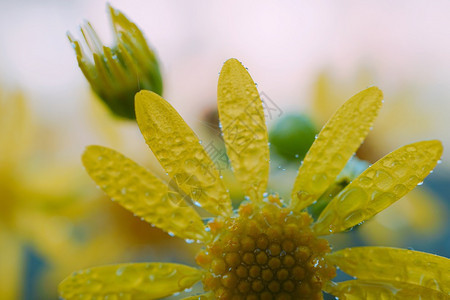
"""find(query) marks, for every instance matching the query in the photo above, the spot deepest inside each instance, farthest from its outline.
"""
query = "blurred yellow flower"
(116, 74)
(35, 204)
(269, 248)
(14, 136)
(49, 210)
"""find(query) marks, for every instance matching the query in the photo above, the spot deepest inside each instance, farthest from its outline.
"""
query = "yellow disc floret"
(265, 251)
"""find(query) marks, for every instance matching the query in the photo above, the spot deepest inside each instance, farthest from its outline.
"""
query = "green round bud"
(292, 136)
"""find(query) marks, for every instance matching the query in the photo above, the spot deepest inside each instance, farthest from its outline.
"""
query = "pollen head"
(265, 251)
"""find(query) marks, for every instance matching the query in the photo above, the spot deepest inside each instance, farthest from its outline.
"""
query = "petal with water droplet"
(336, 143)
(139, 191)
(137, 281)
(379, 186)
(383, 263)
(180, 153)
(244, 129)
(386, 290)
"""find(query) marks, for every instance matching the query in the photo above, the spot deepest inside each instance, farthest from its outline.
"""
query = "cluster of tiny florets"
(265, 251)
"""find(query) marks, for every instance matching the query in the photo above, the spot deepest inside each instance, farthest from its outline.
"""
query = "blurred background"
(306, 57)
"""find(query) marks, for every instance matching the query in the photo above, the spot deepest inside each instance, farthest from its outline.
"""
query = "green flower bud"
(116, 74)
(353, 169)
(292, 136)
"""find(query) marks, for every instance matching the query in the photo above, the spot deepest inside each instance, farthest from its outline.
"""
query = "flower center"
(265, 251)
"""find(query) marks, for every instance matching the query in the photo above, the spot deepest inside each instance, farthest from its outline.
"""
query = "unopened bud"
(117, 73)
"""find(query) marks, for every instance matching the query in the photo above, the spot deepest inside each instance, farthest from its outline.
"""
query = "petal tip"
(87, 150)
(232, 63)
(142, 97)
(88, 153)
(375, 91)
(142, 93)
(437, 144)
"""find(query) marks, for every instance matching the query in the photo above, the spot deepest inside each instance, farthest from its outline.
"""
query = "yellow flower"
(116, 74)
(268, 248)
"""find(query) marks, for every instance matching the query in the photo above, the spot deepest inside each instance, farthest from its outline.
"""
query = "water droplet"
(354, 218)
(383, 180)
(352, 199)
(320, 181)
(120, 271)
(365, 182)
(400, 190)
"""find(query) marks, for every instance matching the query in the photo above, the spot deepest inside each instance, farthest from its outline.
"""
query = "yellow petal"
(379, 186)
(129, 281)
(244, 129)
(179, 151)
(386, 290)
(336, 143)
(383, 263)
(133, 187)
